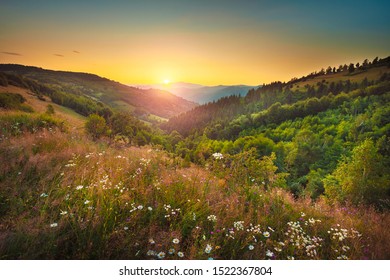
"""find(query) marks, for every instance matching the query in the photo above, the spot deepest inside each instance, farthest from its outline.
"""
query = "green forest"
(316, 132)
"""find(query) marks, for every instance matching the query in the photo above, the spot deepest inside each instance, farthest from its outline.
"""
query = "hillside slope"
(202, 94)
(111, 93)
(73, 119)
(323, 134)
(316, 85)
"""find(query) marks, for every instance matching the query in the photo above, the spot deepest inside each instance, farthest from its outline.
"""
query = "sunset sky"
(206, 42)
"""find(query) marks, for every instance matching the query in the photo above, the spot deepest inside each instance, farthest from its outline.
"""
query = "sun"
(167, 81)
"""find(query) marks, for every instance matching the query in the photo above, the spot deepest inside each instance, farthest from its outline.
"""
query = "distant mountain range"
(116, 95)
(199, 93)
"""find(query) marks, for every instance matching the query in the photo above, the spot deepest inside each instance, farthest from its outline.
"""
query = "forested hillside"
(80, 90)
(317, 84)
(316, 125)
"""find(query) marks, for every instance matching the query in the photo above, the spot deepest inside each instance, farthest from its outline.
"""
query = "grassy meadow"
(63, 196)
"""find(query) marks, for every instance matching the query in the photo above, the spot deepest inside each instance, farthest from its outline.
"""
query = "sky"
(206, 42)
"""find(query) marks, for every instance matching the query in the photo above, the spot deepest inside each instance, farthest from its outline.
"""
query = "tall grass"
(65, 197)
(14, 124)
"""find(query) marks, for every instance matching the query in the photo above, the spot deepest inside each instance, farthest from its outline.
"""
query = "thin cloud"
(76, 51)
(12, 53)
(60, 55)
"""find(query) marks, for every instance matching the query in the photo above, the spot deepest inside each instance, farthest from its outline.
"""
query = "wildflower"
(151, 253)
(161, 255)
(180, 254)
(126, 228)
(44, 195)
(175, 241)
(251, 247)
(150, 208)
(208, 249)
(171, 251)
(266, 234)
(217, 156)
(269, 254)
(212, 218)
(140, 207)
(239, 225)
(151, 241)
(53, 225)
(290, 258)
(63, 213)
(210, 259)
(79, 187)
(87, 202)
(345, 248)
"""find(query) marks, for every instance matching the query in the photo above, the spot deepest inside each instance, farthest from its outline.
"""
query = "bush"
(14, 101)
(50, 110)
(363, 178)
(96, 126)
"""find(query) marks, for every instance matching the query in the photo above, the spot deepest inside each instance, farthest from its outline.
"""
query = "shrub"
(50, 110)
(14, 101)
(360, 179)
(96, 126)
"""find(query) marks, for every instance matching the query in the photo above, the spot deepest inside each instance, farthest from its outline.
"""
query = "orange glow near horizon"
(206, 64)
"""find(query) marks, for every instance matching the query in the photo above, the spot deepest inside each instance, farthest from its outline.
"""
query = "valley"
(92, 169)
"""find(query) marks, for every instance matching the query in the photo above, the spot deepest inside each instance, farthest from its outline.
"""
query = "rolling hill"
(317, 126)
(74, 120)
(201, 94)
(256, 101)
(113, 94)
